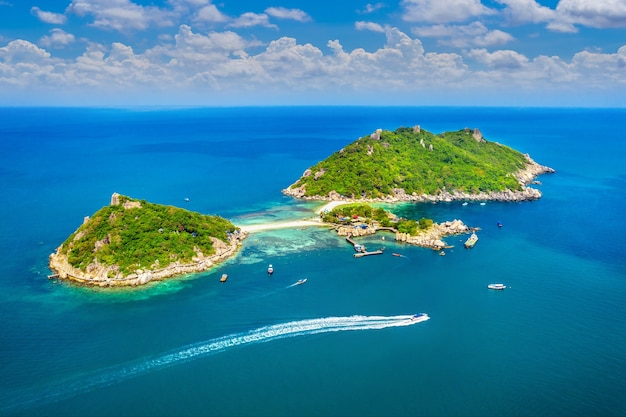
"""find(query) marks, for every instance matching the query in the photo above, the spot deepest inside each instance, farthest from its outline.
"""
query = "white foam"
(263, 334)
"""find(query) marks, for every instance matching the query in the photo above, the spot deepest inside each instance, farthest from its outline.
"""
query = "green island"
(132, 242)
(413, 164)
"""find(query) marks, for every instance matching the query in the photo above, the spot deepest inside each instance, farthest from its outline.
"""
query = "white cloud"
(371, 8)
(210, 13)
(121, 15)
(499, 60)
(250, 19)
(371, 26)
(599, 14)
(526, 11)
(284, 13)
(593, 13)
(474, 34)
(58, 38)
(218, 64)
(48, 17)
(438, 11)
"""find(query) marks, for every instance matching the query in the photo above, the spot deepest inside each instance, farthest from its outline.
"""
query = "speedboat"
(496, 286)
(301, 281)
(270, 270)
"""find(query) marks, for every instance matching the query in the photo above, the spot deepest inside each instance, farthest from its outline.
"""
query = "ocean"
(551, 344)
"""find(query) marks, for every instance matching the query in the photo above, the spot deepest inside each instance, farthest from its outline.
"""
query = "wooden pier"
(361, 254)
(357, 247)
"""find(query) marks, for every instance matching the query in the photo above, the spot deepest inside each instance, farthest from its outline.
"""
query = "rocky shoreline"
(98, 274)
(524, 176)
(430, 238)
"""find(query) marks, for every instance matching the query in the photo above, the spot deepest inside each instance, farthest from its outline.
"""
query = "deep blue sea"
(552, 344)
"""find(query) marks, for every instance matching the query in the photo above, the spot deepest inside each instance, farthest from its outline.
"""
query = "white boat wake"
(117, 374)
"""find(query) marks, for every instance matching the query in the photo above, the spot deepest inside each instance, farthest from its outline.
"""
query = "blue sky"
(297, 52)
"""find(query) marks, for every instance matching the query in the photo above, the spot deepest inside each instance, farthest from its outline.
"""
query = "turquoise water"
(552, 344)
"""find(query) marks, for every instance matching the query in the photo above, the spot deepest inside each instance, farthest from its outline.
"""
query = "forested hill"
(413, 161)
(132, 236)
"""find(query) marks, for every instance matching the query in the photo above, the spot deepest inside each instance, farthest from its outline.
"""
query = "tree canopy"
(416, 161)
(147, 237)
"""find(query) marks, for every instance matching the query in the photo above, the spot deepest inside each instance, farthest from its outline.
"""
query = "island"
(413, 164)
(358, 219)
(132, 242)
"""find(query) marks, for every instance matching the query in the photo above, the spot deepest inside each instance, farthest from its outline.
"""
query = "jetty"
(361, 254)
(357, 247)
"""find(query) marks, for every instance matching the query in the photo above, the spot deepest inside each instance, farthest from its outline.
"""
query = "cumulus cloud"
(58, 38)
(371, 26)
(284, 13)
(121, 15)
(437, 11)
(599, 14)
(593, 13)
(526, 11)
(223, 62)
(499, 60)
(48, 17)
(250, 19)
(210, 13)
(474, 34)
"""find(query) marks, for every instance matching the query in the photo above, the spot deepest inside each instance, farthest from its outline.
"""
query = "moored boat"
(496, 286)
(471, 241)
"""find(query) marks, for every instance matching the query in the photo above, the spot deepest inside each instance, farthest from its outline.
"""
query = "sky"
(295, 52)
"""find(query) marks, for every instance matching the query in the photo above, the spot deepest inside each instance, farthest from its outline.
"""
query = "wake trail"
(263, 334)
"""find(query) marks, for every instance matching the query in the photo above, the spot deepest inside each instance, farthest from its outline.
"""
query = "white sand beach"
(250, 228)
(280, 225)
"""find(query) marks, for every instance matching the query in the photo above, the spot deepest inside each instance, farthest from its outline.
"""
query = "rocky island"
(357, 219)
(412, 164)
(133, 242)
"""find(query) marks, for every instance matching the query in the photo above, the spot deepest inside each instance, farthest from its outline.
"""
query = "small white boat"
(301, 281)
(270, 269)
(224, 278)
(496, 286)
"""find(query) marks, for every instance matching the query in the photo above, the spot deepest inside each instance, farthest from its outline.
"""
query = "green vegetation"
(372, 168)
(149, 237)
(364, 213)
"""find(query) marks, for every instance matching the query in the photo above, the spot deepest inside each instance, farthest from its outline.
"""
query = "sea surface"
(552, 344)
